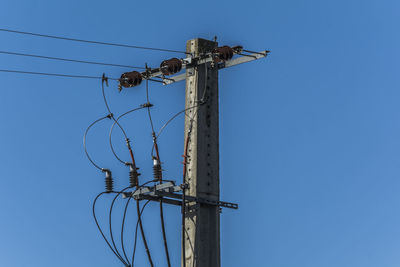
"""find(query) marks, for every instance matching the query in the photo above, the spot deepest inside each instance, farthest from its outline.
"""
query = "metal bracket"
(221, 65)
(167, 192)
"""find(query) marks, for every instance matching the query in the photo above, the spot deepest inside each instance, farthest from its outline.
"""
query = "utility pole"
(202, 222)
(199, 200)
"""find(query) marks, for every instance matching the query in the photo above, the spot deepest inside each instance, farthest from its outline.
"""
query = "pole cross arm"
(244, 58)
(167, 193)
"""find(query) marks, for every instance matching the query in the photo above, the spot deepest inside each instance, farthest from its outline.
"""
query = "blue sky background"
(309, 137)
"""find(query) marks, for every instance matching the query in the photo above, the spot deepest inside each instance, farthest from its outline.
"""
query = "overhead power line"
(92, 42)
(69, 60)
(56, 74)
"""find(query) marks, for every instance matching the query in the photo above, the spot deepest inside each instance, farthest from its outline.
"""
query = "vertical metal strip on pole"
(202, 222)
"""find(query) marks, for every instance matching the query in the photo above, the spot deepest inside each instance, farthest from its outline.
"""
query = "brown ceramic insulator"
(224, 52)
(131, 79)
(171, 66)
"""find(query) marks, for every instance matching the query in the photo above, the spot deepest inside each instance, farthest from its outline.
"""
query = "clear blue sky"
(309, 137)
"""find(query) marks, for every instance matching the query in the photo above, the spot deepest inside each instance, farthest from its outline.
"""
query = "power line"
(92, 42)
(56, 74)
(69, 60)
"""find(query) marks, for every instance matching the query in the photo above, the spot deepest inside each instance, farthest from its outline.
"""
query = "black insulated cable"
(104, 80)
(110, 225)
(56, 74)
(84, 140)
(123, 224)
(91, 42)
(122, 229)
(170, 120)
(143, 234)
(111, 131)
(69, 60)
(101, 231)
(136, 230)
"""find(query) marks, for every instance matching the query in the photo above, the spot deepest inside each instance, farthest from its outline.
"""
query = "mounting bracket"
(167, 192)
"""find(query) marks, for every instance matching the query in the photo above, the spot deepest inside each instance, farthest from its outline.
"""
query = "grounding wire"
(91, 42)
(98, 226)
(84, 141)
(69, 60)
(111, 130)
(55, 74)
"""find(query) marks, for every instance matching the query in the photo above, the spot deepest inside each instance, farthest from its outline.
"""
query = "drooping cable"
(101, 231)
(84, 140)
(55, 74)
(136, 229)
(104, 80)
(69, 60)
(133, 165)
(123, 222)
(123, 226)
(143, 235)
(111, 131)
(108, 107)
(170, 120)
(90, 42)
(110, 226)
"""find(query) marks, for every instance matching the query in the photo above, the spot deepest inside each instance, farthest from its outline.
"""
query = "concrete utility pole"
(202, 222)
(200, 200)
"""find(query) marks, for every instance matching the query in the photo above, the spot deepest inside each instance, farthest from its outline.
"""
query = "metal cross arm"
(167, 192)
(244, 58)
(222, 56)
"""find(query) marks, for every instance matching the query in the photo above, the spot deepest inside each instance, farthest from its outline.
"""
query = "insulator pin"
(109, 181)
(224, 52)
(171, 66)
(130, 79)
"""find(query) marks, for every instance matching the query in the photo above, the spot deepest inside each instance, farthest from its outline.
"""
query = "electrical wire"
(137, 224)
(170, 120)
(119, 125)
(111, 131)
(69, 60)
(91, 42)
(134, 167)
(108, 108)
(160, 178)
(110, 225)
(84, 141)
(148, 107)
(123, 222)
(183, 227)
(143, 235)
(55, 74)
(122, 228)
(98, 226)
